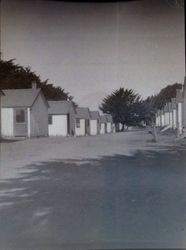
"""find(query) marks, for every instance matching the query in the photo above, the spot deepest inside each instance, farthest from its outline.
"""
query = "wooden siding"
(103, 128)
(39, 117)
(174, 118)
(81, 130)
(93, 127)
(179, 118)
(7, 122)
(59, 126)
(109, 127)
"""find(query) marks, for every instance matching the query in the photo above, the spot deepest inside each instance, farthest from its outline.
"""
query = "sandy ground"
(105, 192)
(15, 155)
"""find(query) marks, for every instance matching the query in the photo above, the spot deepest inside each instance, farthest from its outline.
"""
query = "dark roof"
(103, 119)
(82, 113)
(19, 97)
(109, 118)
(94, 115)
(60, 107)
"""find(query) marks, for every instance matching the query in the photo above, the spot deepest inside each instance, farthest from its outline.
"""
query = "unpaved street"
(103, 192)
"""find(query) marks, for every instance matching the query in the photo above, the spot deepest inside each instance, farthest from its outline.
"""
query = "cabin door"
(20, 122)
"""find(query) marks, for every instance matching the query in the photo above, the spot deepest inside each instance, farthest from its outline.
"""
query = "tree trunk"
(123, 127)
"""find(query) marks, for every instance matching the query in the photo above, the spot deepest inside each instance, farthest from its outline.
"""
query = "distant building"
(184, 108)
(158, 118)
(174, 113)
(94, 122)
(1, 94)
(82, 122)
(179, 101)
(24, 113)
(162, 118)
(61, 118)
(109, 123)
(167, 114)
(103, 124)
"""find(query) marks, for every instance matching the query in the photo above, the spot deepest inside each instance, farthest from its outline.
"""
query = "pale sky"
(90, 49)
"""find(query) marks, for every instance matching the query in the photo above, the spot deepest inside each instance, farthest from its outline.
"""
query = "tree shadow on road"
(113, 199)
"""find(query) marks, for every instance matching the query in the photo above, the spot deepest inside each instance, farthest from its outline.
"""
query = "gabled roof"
(94, 115)
(82, 113)
(109, 118)
(103, 119)
(60, 107)
(19, 97)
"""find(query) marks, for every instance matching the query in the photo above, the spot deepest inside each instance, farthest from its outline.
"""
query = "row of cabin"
(65, 119)
(173, 114)
(27, 113)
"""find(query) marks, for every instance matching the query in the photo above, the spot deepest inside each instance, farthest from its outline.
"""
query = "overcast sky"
(91, 49)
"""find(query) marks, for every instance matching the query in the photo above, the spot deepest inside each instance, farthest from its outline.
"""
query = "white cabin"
(61, 118)
(174, 113)
(82, 121)
(103, 124)
(179, 101)
(162, 118)
(184, 108)
(24, 113)
(94, 122)
(1, 94)
(109, 123)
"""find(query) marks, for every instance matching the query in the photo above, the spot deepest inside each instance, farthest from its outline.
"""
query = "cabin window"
(50, 119)
(20, 116)
(77, 123)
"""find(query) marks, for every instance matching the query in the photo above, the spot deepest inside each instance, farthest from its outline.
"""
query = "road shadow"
(108, 202)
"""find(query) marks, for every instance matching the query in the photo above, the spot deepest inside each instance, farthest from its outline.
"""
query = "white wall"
(59, 126)
(171, 118)
(157, 121)
(179, 118)
(120, 126)
(162, 120)
(80, 131)
(109, 127)
(39, 117)
(7, 122)
(93, 127)
(28, 123)
(174, 118)
(103, 128)
(167, 118)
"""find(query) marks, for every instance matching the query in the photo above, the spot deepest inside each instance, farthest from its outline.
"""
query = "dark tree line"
(14, 76)
(129, 109)
(165, 95)
(125, 106)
